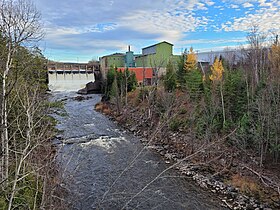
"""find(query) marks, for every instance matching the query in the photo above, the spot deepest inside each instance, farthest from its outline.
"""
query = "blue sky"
(81, 30)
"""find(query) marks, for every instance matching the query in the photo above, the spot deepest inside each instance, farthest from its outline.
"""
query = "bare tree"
(158, 66)
(31, 136)
(230, 57)
(19, 24)
(256, 53)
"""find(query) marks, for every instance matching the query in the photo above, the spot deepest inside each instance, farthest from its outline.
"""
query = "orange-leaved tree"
(217, 70)
(191, 61)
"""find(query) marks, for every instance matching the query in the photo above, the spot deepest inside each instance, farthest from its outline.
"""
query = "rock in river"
(91, 87)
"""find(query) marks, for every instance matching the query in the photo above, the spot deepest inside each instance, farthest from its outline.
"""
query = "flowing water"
(98, 166)
(69, 82)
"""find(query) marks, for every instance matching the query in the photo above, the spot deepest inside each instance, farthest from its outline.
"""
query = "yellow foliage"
(217, 70)
(191, 61)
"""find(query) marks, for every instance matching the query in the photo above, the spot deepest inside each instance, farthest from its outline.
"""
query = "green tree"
(109, 81)
(115, 95)
(131, 81)
(181, 72)
(193, 76)
(170, 78)
(235, 95)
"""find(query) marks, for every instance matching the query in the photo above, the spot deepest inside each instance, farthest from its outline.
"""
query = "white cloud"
(207, 41)
(62, 31)
(169, 19)
(219, 48)
(234, 6)
(201, 6)
(247, 5)
(170, 23)
(264, 3)
(241, 1)
(266, 17)
(209, 2)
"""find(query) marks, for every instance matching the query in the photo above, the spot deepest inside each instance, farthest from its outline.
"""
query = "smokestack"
(128, 48)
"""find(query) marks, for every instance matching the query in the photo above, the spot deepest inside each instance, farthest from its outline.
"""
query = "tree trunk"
(4, 121)
(223, 105)
(26, 151)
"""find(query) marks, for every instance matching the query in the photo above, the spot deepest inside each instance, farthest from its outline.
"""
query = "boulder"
(97, 76)
(91, 87)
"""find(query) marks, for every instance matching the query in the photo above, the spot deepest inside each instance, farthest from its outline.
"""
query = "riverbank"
(231, 174)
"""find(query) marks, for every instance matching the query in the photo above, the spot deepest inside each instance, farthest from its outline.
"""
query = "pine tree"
(181, 72)
(131, 80)
(170, 78)
(109, 81)
(193, 75)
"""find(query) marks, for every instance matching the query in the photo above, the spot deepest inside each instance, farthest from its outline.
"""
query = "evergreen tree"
(193, 75)
(170, 78)
(131, 80)
(181, 72)
(194, 83)
(109, 80)
(235, 95)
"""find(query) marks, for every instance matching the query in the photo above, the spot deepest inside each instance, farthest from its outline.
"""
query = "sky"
(82, 30)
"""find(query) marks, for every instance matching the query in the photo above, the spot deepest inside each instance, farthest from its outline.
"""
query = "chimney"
(128, 48)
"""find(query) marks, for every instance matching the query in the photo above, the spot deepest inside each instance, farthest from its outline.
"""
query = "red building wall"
(139, 72)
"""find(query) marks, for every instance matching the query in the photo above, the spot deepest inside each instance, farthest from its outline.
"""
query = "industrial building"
(155, 56)
(115, 60)
(153, 59)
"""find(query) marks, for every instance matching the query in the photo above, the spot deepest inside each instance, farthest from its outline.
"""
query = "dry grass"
(246, 185)
(103, 107)
(98, 106)
(133, 98)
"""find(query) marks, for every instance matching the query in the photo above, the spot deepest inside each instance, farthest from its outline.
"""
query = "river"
(98, 165)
